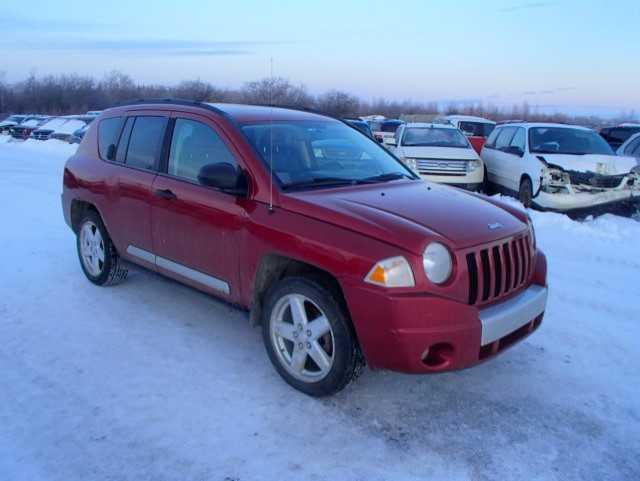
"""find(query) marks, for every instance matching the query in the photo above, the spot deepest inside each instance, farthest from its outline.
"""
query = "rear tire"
(525, 195)
(99, 259)
(308, 337)
(486, 185)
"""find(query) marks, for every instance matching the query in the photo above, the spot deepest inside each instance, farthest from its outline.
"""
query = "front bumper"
(584, 201)
(471, 181)
(428, 334)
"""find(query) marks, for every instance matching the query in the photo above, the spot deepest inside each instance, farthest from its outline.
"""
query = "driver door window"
(193, 146)
(519, 139)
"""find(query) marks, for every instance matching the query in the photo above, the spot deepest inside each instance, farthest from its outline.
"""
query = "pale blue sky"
(580, 56)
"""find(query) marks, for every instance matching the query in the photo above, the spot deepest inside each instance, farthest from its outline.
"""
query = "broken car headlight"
(554, 179)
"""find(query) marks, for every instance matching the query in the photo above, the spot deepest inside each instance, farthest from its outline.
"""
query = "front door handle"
(165, 194)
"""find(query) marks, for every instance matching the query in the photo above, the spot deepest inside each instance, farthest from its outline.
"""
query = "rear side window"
(193, 146)
(519, 139)
(491, 141)
(108, 133)
(145, 142)
(504, 137)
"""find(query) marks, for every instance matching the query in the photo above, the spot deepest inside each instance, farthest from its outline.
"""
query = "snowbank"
(153, 380)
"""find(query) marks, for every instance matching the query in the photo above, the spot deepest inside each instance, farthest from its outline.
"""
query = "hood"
(453, 153)
(596, 163)
(408, 214)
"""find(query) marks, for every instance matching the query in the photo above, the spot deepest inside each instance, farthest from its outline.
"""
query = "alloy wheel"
(302, 338)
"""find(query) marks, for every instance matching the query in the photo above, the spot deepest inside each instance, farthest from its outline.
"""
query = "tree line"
(73, 94)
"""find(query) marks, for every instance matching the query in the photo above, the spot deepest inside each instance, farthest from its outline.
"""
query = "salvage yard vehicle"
(439, 153)
(631, 147)
(339, 252)
(618, 135)
(11, 121)
(24, 129)
(359, 124)
(384, 130)
(476, 128)
(559, 167)
(61, 128)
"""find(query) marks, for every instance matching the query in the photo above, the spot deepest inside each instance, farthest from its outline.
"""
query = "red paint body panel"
(343, 231)
(477, 142)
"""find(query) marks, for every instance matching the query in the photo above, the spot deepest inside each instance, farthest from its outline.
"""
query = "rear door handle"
(165, 194)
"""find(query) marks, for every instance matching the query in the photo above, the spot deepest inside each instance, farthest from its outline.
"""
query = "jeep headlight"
(473, 165)
(392, 272)
(437, 262)
(411, 163)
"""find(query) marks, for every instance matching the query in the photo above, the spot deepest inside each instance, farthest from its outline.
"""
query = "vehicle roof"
(240, 113)
(470, 118)
(430, 125)
(543, 124)
(629, 124)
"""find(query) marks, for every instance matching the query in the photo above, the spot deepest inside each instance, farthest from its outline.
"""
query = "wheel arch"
(274, 267)
(78, 209)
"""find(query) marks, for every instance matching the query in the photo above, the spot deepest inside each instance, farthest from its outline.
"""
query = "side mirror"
(391, 141)
(111, 152)
(512, 149)
(225, 177)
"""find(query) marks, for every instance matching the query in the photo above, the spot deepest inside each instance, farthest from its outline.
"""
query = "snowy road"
(151, 380)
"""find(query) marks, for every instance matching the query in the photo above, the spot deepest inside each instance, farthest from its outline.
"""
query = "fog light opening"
(438, 356)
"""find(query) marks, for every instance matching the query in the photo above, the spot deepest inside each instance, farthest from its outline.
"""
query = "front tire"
(525, 195)
(308, 337)
(98, 256)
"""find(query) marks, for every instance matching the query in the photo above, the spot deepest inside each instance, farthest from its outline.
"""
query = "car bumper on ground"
(427, 334)
(586, 201)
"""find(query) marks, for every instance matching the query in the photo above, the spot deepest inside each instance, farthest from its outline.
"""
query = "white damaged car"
(558, 167)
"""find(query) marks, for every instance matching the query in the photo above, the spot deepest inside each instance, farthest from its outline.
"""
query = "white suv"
(558, 167)
(439, 153)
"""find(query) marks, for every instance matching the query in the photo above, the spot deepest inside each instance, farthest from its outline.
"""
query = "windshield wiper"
(320, 182)
(389, 176)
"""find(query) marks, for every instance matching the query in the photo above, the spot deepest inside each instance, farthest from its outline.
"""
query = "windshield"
(390, 126)
(311, 153)
(433, 137)
(476, 129)
(563, 140)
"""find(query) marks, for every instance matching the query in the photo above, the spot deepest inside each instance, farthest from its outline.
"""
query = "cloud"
(548, 91)
(527, 6)
(29, 25)
(145, 46)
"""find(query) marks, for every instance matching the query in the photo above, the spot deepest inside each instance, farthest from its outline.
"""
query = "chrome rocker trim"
(179, 269)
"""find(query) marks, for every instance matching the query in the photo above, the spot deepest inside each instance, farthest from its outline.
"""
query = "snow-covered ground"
(151, 380)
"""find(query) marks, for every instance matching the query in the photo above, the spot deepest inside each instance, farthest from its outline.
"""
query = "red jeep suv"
(340, 253)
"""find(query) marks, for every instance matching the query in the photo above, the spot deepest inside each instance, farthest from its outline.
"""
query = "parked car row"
(68, 128)
(555, 167)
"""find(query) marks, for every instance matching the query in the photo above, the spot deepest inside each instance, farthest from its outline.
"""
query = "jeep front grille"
(499, 269)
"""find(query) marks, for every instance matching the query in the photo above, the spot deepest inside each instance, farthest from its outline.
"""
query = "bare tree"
(338, 103)
(276, 91)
